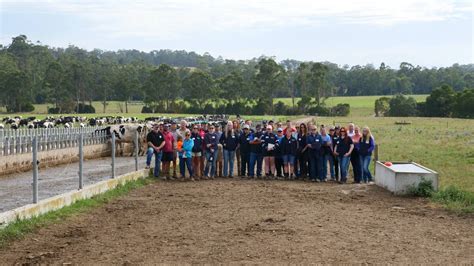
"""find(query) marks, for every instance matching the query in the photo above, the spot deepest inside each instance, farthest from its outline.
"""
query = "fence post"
(376, 156)
(35, 170)
(136, 150)
(113, 154)
(81, 160)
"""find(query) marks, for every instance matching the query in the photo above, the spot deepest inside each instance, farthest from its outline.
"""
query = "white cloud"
(168, 19)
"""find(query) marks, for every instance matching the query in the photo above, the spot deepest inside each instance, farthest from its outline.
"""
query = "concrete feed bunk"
(399, 177)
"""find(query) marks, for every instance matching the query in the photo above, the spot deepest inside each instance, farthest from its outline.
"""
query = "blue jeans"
(229, 157)
(344, 165)
(330, 158)
(316, 165)
(255, 158)
(365, 162)
(149, 155)
(183, 163)
(210, 165)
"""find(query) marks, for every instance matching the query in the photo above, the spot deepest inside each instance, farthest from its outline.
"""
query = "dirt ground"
(248, 221)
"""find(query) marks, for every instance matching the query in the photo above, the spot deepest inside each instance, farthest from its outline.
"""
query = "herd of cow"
(126, 132)
(80, 121)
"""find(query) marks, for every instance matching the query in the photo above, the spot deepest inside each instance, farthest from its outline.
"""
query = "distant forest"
(70, 78)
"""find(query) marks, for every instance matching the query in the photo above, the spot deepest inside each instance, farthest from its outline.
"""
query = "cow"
(126, 134)
(2, 126)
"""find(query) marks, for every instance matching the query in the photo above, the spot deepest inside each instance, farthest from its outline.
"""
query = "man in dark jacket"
(197, 152)
(314, 144)
(288, 149)
(244, 141)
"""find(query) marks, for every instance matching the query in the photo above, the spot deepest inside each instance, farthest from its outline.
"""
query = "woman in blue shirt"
(343, 150)
(366, 146)
(186, 156)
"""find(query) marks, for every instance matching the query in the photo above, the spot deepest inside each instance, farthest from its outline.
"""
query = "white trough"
(399, 177)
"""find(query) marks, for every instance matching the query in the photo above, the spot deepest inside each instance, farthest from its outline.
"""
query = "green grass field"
(443, 144)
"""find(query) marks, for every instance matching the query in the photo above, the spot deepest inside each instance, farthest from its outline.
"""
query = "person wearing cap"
(268, 144)
(155, 143)
(210, 142)
(168, 151)
(256, 152)
(314, 144)
(288, 149)
(197, 152)
(302, 153)
(203, 131)
(278, 155)
(229, 141)
(185, 155)
(343, 150)
(244, 143)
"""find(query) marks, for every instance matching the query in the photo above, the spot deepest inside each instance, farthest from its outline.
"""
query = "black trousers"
(303, 162)
(336, 166)
(244, 163)
(356, 167)
(279, 166)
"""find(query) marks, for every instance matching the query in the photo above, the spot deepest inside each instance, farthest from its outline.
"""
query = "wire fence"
(20, 141)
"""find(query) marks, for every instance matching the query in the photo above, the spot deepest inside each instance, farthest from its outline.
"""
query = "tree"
(269, 80)
(319, 87)
(441, 102)
(233, 87)
(198, 88)
(464, 106)
(382, 105)
(401, 105)
(162, 86)
(54, 87)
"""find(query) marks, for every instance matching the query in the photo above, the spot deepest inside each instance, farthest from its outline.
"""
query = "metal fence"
(21, 140)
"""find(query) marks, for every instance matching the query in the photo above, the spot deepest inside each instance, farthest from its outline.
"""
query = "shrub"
(342, 109)
(401, 105)
(319, 110)
(455, 199)
(424, 189)
(86, 109)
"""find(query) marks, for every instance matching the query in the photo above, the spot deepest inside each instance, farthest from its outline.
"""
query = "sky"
(431, 33)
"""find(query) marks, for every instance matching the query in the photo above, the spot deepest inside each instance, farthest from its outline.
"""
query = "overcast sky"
(422, 32)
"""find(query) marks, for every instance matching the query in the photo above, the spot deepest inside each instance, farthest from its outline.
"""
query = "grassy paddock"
(21, 227)
(360, 105)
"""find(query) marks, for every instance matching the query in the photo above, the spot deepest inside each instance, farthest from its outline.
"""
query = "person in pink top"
(168, 151)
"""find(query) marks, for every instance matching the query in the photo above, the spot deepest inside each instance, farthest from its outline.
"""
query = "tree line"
(442, 102)
(177, 81)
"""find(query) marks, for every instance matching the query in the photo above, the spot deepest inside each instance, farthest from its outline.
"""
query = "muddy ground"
(247, 221)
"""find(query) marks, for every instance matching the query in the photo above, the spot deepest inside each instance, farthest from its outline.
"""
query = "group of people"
(268, 151)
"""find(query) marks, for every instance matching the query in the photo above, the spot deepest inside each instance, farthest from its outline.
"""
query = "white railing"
(20, 141)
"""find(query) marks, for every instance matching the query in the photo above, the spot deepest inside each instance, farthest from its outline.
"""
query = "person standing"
(197, 152)
(229, 141)
(366, 147)
(278, 156)
(155, 142)
(210, 141)
(268, 145)
(237, 131)
(355, 158)
(288, 149)
(314, 144)
(220, 152)
(168, 151)
(174, 162)
(343, 150)
(303, 152)
(334, 163)
(256, 152)
(244, 143)
(327, 154)
(185, 155)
